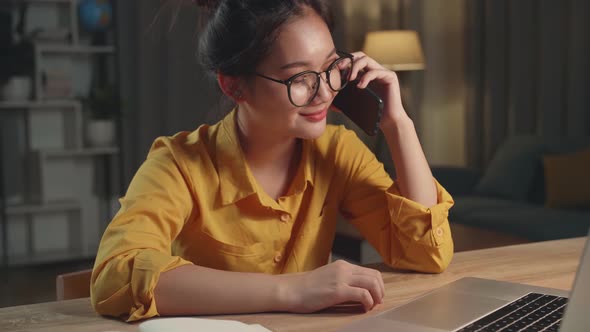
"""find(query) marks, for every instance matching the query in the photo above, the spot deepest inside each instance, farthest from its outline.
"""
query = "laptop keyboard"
(532, 312)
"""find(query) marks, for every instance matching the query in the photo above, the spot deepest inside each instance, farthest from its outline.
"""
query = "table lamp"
(398, 50)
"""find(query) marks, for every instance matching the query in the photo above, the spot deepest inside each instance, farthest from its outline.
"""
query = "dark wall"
(528, 71)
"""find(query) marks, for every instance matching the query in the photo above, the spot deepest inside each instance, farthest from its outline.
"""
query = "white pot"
(100, 133)
(18, 88)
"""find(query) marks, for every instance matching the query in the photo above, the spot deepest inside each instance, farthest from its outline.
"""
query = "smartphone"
(362, 106)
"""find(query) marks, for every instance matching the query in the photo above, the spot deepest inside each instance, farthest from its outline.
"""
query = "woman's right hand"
(332, 284)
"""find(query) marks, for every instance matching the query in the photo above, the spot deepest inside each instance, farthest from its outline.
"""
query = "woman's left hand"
(393, 110)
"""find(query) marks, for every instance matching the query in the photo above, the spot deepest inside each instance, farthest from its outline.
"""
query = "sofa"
(527, 191)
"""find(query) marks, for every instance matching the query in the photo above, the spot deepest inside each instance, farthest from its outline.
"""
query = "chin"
(312, 131)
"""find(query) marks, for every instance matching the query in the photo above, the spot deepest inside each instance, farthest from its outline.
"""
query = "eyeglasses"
(303, 87)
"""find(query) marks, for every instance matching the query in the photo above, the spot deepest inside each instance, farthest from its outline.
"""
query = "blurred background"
(497, 89)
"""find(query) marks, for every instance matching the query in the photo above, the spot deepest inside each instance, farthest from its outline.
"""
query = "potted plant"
(102, 105)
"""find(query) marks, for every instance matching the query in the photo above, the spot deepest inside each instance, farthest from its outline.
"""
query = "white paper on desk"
(189, 324)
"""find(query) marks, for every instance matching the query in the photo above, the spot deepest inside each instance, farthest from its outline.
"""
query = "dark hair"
(240, 33)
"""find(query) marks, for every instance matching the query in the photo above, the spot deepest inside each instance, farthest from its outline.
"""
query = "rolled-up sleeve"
(406, 234)
(423, 233)
(136, 246)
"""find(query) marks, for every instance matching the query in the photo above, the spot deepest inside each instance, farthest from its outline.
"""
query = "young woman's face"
(304, 43)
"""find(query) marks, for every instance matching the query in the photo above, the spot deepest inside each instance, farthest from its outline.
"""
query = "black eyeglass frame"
(289, 81)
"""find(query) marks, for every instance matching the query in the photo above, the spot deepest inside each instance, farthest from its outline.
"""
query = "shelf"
(84, 152)
(58, 201)
(73, 49)
(31, 104)
(21, 209)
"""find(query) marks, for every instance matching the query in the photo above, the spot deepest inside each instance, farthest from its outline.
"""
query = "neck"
(262, 148)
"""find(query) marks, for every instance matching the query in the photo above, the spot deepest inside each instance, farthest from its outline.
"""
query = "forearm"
(414, 177)
(197, 290)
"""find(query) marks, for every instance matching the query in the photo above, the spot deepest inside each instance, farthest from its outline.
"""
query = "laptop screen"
(576, 313)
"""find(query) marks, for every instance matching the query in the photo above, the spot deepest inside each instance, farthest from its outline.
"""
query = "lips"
(316, 116)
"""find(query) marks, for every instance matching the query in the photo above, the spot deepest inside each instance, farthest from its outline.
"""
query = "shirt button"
(439, 231)
(278, 257)
(285, 217)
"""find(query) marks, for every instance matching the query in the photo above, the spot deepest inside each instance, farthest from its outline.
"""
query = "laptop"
(474, 304)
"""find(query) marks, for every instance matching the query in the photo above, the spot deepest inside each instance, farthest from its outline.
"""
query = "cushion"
(567, 180)
(511, 172)
(553, 145)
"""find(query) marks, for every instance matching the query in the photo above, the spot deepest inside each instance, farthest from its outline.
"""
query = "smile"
(316, 116)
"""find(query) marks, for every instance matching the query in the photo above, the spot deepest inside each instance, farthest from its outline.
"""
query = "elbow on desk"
(426, 259)
(440, 266)
(109, 300)
(119, 303)
(440, 259)
(111, 296)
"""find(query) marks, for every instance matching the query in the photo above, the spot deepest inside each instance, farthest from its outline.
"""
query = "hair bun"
(207, 4)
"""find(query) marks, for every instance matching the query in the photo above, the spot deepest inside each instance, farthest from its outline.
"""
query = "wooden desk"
(549, 264)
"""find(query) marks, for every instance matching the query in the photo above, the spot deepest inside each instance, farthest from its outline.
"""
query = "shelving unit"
(66, 196)
(71, 114)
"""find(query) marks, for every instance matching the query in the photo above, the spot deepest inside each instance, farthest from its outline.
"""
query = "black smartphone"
(362, 106)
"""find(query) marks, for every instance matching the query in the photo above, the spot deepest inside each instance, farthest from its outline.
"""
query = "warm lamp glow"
(395, 49)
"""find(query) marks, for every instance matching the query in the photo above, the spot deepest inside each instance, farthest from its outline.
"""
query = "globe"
(95, 15)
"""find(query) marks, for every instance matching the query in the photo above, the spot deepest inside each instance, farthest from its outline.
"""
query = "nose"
(324, 93)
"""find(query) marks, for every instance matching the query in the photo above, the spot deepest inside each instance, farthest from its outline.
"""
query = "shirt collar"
(235, 179)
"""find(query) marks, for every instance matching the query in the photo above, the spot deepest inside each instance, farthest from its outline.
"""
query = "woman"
(240, 216)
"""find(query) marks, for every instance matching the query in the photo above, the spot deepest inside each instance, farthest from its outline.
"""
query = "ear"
(231, 87)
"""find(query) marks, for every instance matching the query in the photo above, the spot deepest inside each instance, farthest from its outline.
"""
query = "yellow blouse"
(194, 201)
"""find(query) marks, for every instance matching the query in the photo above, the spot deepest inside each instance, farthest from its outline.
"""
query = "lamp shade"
(395, 49)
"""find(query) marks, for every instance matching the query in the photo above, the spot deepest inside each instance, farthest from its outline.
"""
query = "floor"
(33, 284)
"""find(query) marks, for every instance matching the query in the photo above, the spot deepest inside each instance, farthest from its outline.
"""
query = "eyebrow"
(304, 63)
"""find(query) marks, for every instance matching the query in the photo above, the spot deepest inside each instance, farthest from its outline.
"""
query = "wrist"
(396, 124)
(285, 294)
